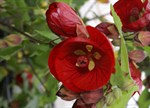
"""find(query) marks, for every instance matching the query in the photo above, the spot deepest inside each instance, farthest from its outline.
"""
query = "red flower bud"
(62, 19)
(109, 29)
(136, 75)
(143, 37)
(137, 55)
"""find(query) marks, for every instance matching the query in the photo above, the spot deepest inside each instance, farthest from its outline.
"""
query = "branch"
(90, 8)
(27, 35)
(34, 72)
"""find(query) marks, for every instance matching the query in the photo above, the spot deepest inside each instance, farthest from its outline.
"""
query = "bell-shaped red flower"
(83, 64)
(134, 14)
(62, 19)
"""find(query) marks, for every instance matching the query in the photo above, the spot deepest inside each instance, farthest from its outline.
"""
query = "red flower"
(136, 75)
(83, 64)
(132, 15)
(62, 19)
(19, 78)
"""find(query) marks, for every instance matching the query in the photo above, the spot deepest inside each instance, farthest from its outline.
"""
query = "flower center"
(82, 61)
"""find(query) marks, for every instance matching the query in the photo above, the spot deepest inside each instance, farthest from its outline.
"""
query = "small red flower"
(62, 19)
(136, 75)
(133, 14)
(83, 64)
(19, 78)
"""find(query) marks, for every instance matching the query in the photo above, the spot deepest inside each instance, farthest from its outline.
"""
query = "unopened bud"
(13, 40)
(143, 38)
(3, 44)
(110, 98)
(137, 55)
(109, 29)
(117, 93)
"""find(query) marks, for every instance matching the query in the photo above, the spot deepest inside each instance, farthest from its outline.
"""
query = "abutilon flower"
(63, 20)
(134, 14)
(83, 64)
(136, 75)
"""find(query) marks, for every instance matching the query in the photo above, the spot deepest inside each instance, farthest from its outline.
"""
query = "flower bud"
(117, 93)
(108, 29)
(137, 55)
(62, 19)
(13, 40)
(110, 98)
(3, 44)
(92, 96)
(101, 103)
(66, 94)
(143, 38)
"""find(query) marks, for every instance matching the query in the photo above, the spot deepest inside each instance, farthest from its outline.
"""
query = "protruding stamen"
(89, 48)
(97, 56)
(79, 52)
(91, 65)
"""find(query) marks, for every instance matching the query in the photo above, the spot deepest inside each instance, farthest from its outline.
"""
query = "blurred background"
(25, 43)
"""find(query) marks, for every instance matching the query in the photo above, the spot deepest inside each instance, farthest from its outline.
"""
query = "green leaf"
(123, 100)
(144, 100)
(147, 49)
(78, 3)
(118, 78)
(66, 1)
(7, 53)
(3, 73)
(124, 53)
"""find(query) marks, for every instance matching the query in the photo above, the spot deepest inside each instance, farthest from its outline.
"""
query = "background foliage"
(25, 20)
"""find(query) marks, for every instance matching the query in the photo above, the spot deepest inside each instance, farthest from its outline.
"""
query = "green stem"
(27, 35)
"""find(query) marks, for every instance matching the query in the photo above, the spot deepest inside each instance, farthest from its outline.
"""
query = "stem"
(99, 17)
(27, 35)
(34, 72)
(90, 8)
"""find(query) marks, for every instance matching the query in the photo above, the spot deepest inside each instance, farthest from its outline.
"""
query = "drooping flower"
(63, 20)
(134, 14)
(136, 75)
(83, 64)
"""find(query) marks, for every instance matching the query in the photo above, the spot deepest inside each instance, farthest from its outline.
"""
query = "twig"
(34, 72)
(27, 35)
(90, 8)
